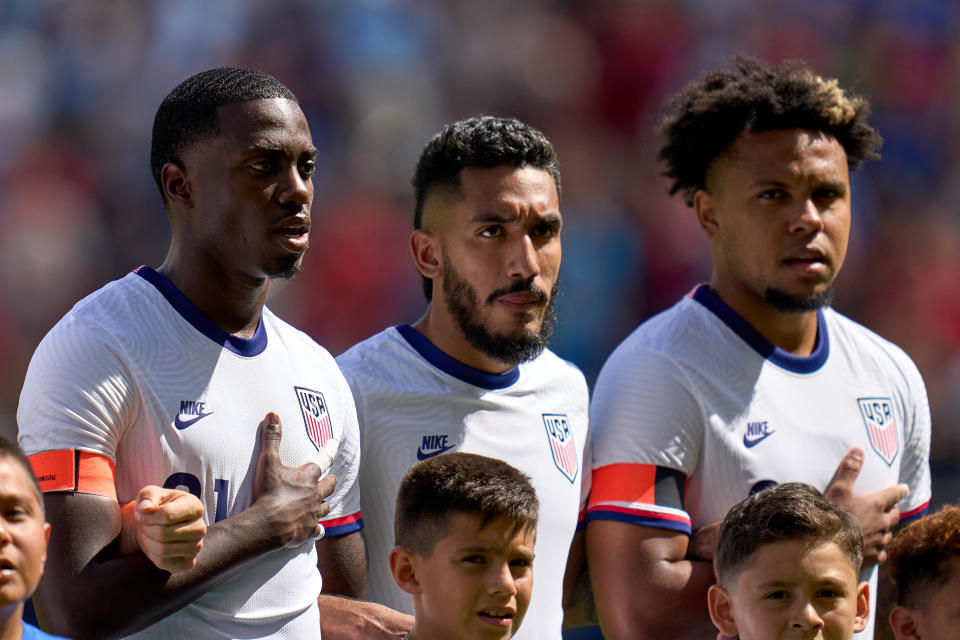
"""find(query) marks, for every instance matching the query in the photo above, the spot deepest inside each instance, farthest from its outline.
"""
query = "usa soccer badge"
(562, 448)
(878, 418)
(316, 416)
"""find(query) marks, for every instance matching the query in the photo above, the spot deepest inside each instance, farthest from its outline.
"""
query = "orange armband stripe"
(73, 470)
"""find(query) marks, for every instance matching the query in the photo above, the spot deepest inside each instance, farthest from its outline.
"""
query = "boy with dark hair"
(787, 565)
(925, 564)
(465, 529)
(24, 533)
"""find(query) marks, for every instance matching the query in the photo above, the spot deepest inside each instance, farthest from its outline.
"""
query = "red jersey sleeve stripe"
(913, 514)
(343, 525)
(72, 470)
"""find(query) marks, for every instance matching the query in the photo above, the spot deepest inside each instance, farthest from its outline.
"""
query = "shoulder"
(381, 356)
(30, 632)
(858, 343)
(294, 339)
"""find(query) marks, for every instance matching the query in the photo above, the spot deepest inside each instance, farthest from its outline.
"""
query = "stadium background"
(80, 82)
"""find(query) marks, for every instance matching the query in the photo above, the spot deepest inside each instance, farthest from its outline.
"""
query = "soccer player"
(752, 379)
(473, 374)
(162, 378)
(925, 565)
(465, 530)
(788, 564)
(24, 534)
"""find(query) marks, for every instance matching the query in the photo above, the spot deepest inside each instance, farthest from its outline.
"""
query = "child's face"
(792, 589)
(476, 584)
(939, 619)
(23, 534)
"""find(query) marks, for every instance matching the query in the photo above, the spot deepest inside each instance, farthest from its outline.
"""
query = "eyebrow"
(837, 185)
(504, 218)
(269, 148)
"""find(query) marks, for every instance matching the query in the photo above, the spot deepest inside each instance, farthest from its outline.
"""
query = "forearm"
(667, 602)
(93, 592)
(344, 618)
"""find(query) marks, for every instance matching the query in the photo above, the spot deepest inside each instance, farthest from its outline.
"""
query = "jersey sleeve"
(647, 434)
(345, 516)
(78, 393)
(915, 464)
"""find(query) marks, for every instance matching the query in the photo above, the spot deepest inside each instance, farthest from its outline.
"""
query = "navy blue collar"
(241, 346)
(798, 364)
(432, 354)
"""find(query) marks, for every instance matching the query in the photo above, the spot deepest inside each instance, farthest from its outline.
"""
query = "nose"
(806, 617)
(808, 219)
(522, 260)
(500, 581)
(294, 188)
(5, 537)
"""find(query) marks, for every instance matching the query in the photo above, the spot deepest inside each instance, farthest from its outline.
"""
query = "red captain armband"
(72, 470)
(640, 494)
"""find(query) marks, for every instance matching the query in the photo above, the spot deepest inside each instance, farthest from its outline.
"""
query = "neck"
(795, 333)
(441, 329)
(231, 300)
(11, 617)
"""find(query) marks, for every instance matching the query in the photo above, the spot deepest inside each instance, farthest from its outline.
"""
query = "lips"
(497, 616)
(293, 232)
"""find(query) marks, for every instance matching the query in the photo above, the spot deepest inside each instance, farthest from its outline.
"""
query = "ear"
(863, 607)
(705, 206)
(46, 541)
(403, 567)
(721, 610)
(427, 253)
(176, 184)
(904, 624)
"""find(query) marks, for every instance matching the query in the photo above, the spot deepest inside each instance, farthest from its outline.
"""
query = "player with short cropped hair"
(465, 530)
(752, 379)
(787, 565)
(181, 377)
(473, 373)
(925, 565)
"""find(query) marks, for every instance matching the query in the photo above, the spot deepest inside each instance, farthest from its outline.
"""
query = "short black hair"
(483, 141)
(189, 113)
(12, 451)
(435, 489)
(706, 116)
(785, 512)
(921, 554)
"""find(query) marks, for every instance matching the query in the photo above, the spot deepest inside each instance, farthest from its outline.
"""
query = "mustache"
(521, 287)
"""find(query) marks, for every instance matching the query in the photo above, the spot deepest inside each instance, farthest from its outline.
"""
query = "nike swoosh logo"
(749, 443)
(183, 424)
(421, 455)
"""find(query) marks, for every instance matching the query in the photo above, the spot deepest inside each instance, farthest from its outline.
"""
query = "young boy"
(787, 564)
(925, 565)
(465, 527)
(23, 542)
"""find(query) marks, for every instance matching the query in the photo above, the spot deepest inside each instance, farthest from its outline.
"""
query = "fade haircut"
(785, 512)
(434, 490)
(188, 114)
(920, 556)
(706, 116)
(11, 451)
(485, 142)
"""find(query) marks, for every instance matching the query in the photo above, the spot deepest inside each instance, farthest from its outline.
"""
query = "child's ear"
(721, 612)
(903, 623)
(863, 607)
(403, 567)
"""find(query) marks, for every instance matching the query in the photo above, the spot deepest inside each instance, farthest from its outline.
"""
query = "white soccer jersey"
(695, 393)
(414, 401)
(136, 373)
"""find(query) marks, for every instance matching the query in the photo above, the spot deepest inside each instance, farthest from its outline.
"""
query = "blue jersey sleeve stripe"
(343, 529)
(643, 521)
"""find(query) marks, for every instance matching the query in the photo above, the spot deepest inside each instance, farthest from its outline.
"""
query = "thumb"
(847, 472)
(148, 500)
(270, 433)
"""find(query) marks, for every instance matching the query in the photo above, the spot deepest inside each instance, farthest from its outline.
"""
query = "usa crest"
(879, 419)
(562, 447)
(316, 417)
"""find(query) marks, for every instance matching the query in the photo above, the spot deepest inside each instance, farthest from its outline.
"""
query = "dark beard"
(461, 299)
(285, 274)
(785, 303)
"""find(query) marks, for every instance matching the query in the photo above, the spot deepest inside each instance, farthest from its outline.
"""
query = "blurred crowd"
(80, 83)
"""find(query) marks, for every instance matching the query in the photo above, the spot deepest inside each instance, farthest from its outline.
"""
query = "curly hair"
(484, 141)
(189, 113)
(705, 117)
(920, 556)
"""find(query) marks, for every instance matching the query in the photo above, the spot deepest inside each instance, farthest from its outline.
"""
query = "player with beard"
(180, 376)
(473, 373)
(751, 380)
